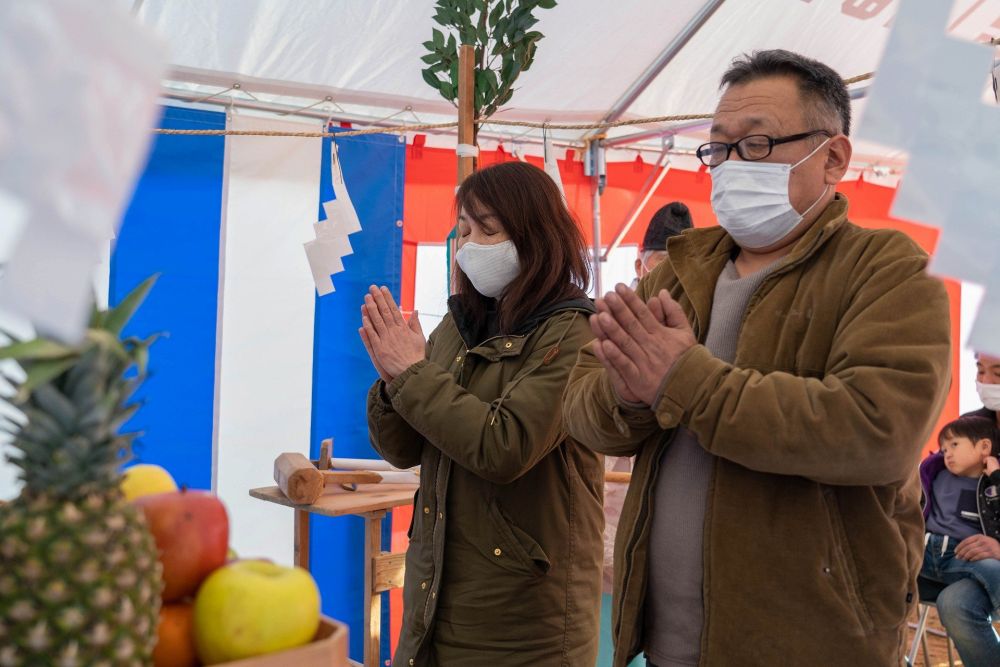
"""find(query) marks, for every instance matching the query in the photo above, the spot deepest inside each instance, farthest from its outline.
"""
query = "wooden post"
(301, 551)
(325, 454)
(373, 597)
(302, 538)
(466, 134)
(466, 107)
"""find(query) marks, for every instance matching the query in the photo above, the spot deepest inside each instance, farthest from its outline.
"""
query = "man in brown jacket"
(776, 378)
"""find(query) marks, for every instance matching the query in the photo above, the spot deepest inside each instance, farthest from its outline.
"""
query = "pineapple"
(79, 578)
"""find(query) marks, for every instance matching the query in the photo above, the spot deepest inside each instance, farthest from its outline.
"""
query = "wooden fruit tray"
(327, 649)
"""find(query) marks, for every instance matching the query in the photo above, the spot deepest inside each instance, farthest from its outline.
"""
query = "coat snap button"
(427, 510)
(497, 552)
(423, 585)
(411, 661)
(508, 345)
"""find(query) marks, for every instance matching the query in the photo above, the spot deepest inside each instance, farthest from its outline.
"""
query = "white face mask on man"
(751, 200)
(491, 268)
(990, 395)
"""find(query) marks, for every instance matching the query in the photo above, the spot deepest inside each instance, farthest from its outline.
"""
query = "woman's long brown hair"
(550, 248)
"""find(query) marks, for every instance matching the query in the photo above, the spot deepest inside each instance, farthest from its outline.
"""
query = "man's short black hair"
(670, 220)
(975, 429)
(820, 86)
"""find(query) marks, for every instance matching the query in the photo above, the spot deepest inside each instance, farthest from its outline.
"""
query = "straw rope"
(306, 135)
(402, 129)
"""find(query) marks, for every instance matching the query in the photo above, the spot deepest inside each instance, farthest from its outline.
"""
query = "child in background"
(961, 485)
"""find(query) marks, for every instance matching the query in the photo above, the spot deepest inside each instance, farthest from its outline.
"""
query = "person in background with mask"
(988, 387)
(504, 562)
(964, 607)
(776, 378)
(669, 220)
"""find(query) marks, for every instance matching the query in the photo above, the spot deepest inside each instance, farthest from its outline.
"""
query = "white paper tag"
(984, 336)
(552, 166)
(328, 234)
(341, 216)
(74, 179)
(340, 212)
(927, 95)
(323, 262)
(49, 278)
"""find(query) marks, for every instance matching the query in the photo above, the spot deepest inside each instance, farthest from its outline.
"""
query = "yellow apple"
(253, 607)
(146, 479)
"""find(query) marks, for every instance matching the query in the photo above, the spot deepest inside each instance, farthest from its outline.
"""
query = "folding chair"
(928, 592)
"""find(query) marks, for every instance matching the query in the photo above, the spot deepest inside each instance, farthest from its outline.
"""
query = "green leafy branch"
(505, 44)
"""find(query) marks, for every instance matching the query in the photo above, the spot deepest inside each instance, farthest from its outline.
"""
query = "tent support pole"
(595, 168)
(642, 197)
(620, 107)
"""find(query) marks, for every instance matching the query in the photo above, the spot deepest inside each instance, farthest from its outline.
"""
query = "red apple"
(191, 530)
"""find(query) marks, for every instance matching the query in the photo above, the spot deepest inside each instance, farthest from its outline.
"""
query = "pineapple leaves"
(107, 342)
(74, 400)
(40, 426)
(124, 416)
(40, 373)
(116, 319)
(32, 350)
(60, 408)
(142, 359)
(139, 350)
(97, 318)
(9, 335)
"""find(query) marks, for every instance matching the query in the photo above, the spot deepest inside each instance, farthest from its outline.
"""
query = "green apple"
(252, 607)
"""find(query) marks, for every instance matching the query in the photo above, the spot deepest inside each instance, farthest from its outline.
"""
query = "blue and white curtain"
(254, 363)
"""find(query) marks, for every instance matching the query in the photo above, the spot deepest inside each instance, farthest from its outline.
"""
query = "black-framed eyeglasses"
(750, 148)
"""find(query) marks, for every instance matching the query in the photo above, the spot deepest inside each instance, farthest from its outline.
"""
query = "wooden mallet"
(303, 481)
(300, 480)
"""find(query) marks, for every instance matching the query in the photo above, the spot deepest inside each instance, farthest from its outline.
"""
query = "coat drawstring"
(549, 357)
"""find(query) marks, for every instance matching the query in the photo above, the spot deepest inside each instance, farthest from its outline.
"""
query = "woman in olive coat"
(504, 562)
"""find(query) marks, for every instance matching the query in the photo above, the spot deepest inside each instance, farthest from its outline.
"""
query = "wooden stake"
(302, 539)
(466, 133)
(325, 453)
(466, 107)
(373, 598)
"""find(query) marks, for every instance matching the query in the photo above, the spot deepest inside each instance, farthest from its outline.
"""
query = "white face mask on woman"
(491, 268)
(751, 201)
(990, 395)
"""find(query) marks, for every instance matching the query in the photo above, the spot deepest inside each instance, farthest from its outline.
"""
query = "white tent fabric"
(369, 52)
(366, 55)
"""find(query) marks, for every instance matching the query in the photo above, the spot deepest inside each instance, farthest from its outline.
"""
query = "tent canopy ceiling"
(365, 55)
